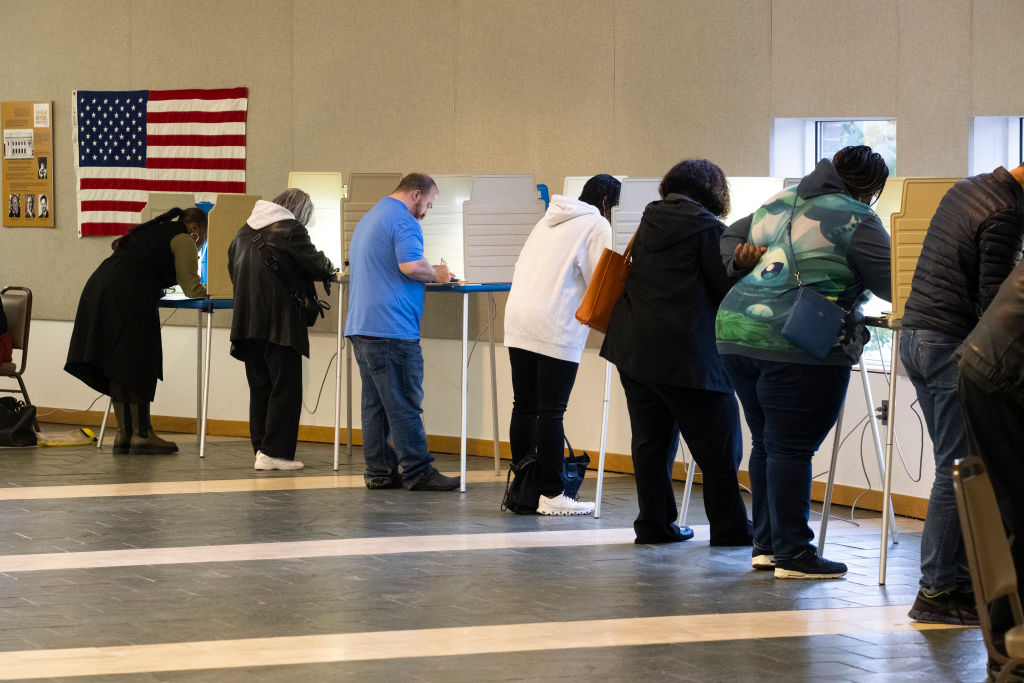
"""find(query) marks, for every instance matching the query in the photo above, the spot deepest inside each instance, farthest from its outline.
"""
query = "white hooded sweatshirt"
(265, 213)
(550, 278)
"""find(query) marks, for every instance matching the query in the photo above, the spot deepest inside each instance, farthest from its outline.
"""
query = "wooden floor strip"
(448, 642)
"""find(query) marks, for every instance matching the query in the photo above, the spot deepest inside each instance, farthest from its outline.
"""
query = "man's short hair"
(416, 181)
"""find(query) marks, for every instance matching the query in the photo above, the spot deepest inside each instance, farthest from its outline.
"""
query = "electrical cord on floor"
(323, 382)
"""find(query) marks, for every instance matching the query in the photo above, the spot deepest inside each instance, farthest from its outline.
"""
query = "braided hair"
(862, 170)
(701, 181)
(189, 215)
(602, 191)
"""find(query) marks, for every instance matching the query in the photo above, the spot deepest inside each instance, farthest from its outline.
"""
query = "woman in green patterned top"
(824, 230)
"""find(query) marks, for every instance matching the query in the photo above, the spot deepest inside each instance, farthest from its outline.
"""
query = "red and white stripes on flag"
(130, 143)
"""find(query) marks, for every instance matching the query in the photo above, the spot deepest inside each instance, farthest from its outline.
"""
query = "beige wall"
(553, 87)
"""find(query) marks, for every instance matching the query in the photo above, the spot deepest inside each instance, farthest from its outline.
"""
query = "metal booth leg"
(206, 383)
(103, 425)
(827, 504)
(890, 435)
(691, 470)
(465, 388)
(337, 390)
(494, 384)
(604, 438)
(879, 451)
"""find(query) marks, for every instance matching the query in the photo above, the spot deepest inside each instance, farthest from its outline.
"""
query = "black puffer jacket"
(973, 242)
(993, 354)
(264, 308)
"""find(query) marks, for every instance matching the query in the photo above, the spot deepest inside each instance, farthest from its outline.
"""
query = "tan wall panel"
(998, 61)
(933, 122)
(70, 46)
(692, 80)
(834, 57)
(373, 86)
(534, 88)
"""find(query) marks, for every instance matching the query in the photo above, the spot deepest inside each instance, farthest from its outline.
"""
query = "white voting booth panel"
(364, 191)
(497, 219)
(747, 194)
(890, 201)
(162, 202)
(572, 186)
(636, 194)
(442, 226)
(325, 189)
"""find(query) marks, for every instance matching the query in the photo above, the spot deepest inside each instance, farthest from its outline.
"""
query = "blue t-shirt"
(382, 302)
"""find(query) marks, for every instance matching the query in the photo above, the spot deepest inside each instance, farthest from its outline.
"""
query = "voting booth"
(229, 213)
(364, 191)
(572, 186)
(325, 189)
(497, 219)
(747, 194)
(636, 194)
(442, 226)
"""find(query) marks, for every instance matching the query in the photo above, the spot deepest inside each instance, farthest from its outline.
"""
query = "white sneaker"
(763, 562)
(560, 505)
(265, 462)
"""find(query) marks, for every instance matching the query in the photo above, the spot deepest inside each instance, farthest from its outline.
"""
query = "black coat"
(662, 329)
(993, 353)
(265, 309)
(973, 242)
(117, 326)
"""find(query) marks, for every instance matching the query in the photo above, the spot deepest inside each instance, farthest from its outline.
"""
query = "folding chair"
(17, 303)
(989, 560)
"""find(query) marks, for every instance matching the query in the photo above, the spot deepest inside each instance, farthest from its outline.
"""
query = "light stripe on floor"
(447, 642)
(378, 545)
(162, 488)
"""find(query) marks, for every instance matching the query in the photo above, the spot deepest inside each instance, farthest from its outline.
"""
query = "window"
(879, 135)
(996, 141)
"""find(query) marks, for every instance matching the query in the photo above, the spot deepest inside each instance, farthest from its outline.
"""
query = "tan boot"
(123, 438)
(144, 440)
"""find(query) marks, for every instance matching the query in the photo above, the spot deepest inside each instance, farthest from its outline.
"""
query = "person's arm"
(599, 239)
(310, 260)
(424, 272)
(999, 248)
(868, 257)
(186, 266)
(735, 235)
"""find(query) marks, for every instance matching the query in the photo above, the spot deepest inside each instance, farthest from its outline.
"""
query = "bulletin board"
(27, 164)
(921, 197)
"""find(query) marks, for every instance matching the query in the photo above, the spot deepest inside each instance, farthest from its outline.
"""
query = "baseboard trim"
(907, 506)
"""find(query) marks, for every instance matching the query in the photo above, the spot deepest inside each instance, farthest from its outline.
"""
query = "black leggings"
(123, 394)
(541, 386)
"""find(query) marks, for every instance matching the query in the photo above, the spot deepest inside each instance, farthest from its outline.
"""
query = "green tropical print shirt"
(751, 316)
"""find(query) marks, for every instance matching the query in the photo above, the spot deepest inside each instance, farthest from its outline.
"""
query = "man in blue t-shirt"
(388, 273)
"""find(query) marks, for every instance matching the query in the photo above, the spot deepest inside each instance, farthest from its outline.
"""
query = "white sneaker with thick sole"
(560, 505)
(266, 463)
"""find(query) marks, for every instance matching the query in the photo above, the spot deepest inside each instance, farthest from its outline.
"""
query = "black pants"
(995, 433)
(710, 424)
(541, 386)
(275, 396)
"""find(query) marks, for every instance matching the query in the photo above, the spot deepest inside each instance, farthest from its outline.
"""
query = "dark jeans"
(928, 359)
(710, 425)
(541, 386)
(275, 396)
(392, 374)
(790, 409)
(995, 433)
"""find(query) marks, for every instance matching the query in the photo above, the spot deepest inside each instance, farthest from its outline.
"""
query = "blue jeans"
(790, 409)
(928, 358)
(392, 374)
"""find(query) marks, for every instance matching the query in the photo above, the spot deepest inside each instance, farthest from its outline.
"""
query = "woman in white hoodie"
(544, 340)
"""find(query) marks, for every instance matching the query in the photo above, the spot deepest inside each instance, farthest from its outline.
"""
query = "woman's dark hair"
(701, 181)
(863, 171)
(602, 191)
(189, 215)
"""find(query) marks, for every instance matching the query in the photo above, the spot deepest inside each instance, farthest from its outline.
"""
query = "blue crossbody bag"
(814, 322)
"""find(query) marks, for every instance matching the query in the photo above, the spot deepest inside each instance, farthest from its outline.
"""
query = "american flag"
(133, 142)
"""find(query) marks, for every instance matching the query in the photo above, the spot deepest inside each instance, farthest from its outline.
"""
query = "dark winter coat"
(264, 308)
(662, 329)
(973, 242)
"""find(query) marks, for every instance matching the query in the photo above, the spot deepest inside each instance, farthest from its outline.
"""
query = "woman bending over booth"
(115, 346)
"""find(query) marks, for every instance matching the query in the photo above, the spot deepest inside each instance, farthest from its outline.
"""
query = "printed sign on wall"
(27, 164)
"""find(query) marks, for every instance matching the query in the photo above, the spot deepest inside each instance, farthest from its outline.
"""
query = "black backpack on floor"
(522, 484)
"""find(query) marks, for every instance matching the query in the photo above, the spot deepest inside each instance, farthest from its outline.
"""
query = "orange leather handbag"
(605, 288)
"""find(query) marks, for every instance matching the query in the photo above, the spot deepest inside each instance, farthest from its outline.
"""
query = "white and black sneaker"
(808, 565)
(762, 561)
(561, 505)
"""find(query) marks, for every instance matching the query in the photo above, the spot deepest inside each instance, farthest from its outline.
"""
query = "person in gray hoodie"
(269, 260)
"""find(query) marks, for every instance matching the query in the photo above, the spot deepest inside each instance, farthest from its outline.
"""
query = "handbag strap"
(789, 236)
(628, 254)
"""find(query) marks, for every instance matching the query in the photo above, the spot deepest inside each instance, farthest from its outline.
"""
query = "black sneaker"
(382, 482)
(944, 607)
(808, 565)
(437, 482)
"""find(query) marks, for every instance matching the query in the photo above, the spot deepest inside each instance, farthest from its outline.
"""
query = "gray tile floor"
(225, 600)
